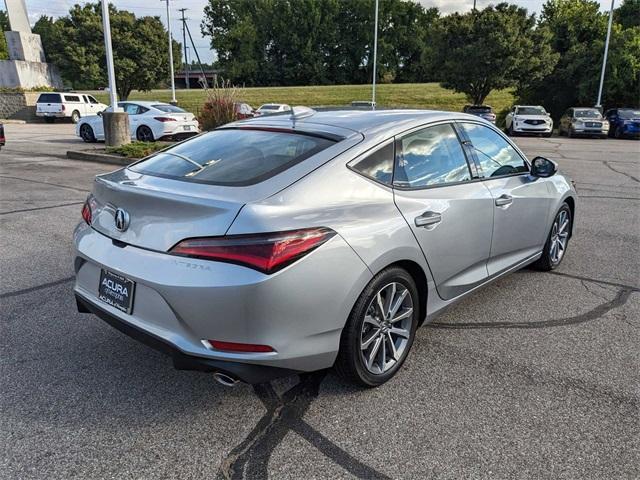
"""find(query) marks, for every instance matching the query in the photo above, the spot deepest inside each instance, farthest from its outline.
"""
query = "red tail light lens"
(265, 252)
(240, 347)
(165, 119)
(88, 208)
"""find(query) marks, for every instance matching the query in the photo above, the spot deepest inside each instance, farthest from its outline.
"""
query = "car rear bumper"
(299, 311)
(51, 114)
(245, 372)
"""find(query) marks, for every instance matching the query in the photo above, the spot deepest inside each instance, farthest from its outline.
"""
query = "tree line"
(553, 59)
(75, 44)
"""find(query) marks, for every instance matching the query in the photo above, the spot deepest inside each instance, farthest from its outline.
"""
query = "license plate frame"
(116, 291)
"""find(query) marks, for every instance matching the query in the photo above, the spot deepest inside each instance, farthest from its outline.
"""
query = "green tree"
(578, 30)
(628, 14)
(4, 27)
(75, 43)
(489, 49)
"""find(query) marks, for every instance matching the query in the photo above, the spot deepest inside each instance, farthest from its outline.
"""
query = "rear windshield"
(233, 157)
(269, 107)
(168, 108)
(49, 98)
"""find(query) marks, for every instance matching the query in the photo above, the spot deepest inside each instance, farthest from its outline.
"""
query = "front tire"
(380, 330)
(144, 134)
(618, 133)
(557, 242)
(75, 116)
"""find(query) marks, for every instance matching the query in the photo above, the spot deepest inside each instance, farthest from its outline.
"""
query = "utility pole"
(474, 4)
(184, 42)
(114, 121)
(195, 50)
(375, 59)
(173, 84)
(604, 60)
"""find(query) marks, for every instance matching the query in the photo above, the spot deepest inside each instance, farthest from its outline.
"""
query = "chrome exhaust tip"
(224, 379)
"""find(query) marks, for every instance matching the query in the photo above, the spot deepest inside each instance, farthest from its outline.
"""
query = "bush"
(219, 108)
(137, 149)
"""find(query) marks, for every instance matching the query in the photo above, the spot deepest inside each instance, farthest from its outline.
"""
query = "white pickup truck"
(67, 105)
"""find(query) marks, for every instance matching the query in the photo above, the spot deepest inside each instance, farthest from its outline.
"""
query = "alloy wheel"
(559, 236)
(145, 134)
(386, 328)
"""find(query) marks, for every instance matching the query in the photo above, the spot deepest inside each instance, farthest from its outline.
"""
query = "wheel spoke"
(394, 352)
(369, 340)
(374, 352)
(389, 300)
(372, 320)
(564, 226)
(401, 332)
(406, 314)
(383, 352)
(380, 304)
(398, 303)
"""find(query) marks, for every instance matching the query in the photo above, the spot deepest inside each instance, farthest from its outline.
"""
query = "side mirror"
(99, 114)
(543, 167)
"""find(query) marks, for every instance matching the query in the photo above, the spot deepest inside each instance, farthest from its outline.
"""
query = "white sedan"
(272, 108)
(149, 121)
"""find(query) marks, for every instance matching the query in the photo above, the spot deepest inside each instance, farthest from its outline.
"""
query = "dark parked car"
(1, 136)
(624, 122)
(482, 111)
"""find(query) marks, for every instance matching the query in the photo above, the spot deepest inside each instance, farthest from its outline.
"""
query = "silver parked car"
(583, 122)
(293, 243)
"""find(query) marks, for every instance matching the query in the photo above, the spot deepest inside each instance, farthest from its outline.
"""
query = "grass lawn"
(414, 95)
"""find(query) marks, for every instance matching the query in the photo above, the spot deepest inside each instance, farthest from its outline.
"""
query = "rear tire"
(144, 134)
(86, 133)
(387, 336)
(75, 116)
(557, 242)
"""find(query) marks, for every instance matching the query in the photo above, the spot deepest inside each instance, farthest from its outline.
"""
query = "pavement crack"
(41, 208)
(594, 314)
(37, 287)
(628, 175)
(250, 458)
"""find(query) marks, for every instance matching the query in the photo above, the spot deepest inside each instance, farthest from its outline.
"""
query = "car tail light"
(238, 347)
(63, 107)
(165, 119)
(265, 252)
(88, 208)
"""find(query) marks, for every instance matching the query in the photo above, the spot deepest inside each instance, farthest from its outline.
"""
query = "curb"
(99, 157)
(9, 121)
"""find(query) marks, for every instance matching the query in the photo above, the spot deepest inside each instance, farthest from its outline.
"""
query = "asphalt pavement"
(535, 376)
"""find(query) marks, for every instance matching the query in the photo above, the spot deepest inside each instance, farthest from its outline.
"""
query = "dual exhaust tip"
(225, 379)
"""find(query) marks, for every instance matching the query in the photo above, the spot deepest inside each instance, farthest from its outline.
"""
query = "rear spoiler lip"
(266, 128)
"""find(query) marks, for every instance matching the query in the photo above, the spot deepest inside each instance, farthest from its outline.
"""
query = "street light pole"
(184, 42)
(173, 84)
(111, 74)
(375, 58)
(604, 60)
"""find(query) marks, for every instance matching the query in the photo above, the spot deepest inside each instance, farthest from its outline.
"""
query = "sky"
(56, 8)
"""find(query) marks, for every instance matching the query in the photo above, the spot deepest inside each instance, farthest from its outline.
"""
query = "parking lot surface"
(534, 376)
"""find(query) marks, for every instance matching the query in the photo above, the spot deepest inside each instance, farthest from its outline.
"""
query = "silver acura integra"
(292, 243)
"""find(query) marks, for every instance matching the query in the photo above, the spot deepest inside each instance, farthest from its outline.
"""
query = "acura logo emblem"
(122, 220)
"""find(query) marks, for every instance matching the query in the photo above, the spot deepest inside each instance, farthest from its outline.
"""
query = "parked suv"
(624, 122)
(482, 111)
(67, 105)
(532, 119)
(583, 121)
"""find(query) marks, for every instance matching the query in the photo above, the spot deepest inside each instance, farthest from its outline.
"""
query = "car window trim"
(398, 150)
(508, 140)
(353, 162)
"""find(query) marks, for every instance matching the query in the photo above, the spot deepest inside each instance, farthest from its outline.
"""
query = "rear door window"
(233, 157)
(72, 98)
(431, 157)
(49, 98)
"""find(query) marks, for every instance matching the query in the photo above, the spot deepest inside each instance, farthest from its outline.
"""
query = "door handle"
(504, 200)
(428, 218)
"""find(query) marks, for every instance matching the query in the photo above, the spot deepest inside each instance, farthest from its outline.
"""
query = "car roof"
(144, 103)
(366, 122)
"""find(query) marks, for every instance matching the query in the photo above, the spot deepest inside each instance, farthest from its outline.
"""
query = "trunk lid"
(161, 212)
